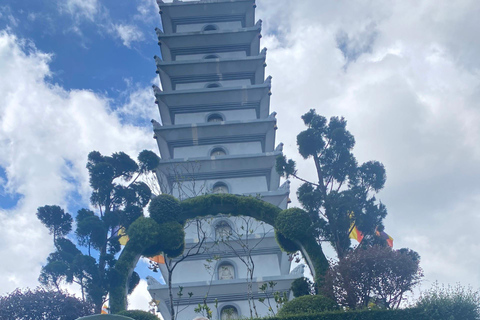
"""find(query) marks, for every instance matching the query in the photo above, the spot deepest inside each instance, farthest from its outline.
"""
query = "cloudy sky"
(76, 77)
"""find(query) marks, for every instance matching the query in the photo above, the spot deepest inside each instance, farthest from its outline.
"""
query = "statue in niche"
(226, 272)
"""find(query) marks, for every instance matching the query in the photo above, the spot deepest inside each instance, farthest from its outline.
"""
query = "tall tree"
(343, 191)
(118, 198)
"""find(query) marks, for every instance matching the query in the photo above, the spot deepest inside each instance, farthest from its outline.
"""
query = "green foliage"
(138, 315)
(143, 230)
(164, 208)
(403, 314)
(58, 222)
(118, 200)
(286, 244)
(41, 304)
(341, 188)
(172, 235)
(293, 223)
(450, 303)
(149, 161)
(377, 275)
(300, 287)
(143, 233)
(308, 304)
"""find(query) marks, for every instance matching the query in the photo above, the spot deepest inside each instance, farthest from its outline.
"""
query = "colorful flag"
(355, 233)
(383, 235)
(104, 309)
(158, 259)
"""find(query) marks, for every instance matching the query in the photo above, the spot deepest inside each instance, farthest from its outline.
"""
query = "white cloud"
(411, 99)
(86, 9)
(127, 33)
(46, 133)
(140, 297)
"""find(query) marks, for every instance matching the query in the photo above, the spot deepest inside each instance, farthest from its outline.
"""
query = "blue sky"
(77, 75)
(89, 50)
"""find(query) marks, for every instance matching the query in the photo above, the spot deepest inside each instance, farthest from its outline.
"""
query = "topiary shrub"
(164, 208)
(300, 287)
(143, 233)
(138, 315)
(172, 235)
(307, 304)
(293, 223)
(285, 244)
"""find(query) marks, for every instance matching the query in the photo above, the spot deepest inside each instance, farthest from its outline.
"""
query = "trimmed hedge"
(138, 315)
(401, 314)
(307, 304)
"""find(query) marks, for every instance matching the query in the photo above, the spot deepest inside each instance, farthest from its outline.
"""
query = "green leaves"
(149, 161)
(118, 200)
(58, 222)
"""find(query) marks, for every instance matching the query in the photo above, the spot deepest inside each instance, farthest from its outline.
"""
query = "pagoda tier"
(243, 174)
(178, 16)
(195, 105)
(190, 140)
(198, 45)
(195, 74)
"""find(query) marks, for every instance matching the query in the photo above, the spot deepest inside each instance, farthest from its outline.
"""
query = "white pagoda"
(217, 135)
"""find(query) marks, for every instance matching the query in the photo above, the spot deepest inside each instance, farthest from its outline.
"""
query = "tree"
(118, 199)
(41, 304)
(58, 222)
(343, 191)
(373, 274)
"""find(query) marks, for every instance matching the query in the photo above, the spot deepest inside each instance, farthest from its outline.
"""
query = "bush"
(300, 287)
(42, 304)
(450, 303)
(403, 314)
(164, 208)
(138, 315)
(307, 304)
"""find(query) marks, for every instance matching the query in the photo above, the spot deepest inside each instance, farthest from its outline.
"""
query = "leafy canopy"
(118, 199)
(343, 191)
(41, 304)
(377, 275)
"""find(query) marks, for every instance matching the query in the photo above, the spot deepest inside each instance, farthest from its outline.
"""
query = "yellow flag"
(123, 236)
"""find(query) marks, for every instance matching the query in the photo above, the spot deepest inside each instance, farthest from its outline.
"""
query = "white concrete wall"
(221, 55)
(231, 148)
(193, 271)
(230, 115)
(199, 26)
(244, 312)
(207, 226)
(225, 83)
(244, 185)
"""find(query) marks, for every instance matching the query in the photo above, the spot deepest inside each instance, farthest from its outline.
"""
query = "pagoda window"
(220, 187)
(223, 230)
(211, 56)
(215, 117)
(229, 313)
(218, 152)
(213, 85)
(210, 27)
